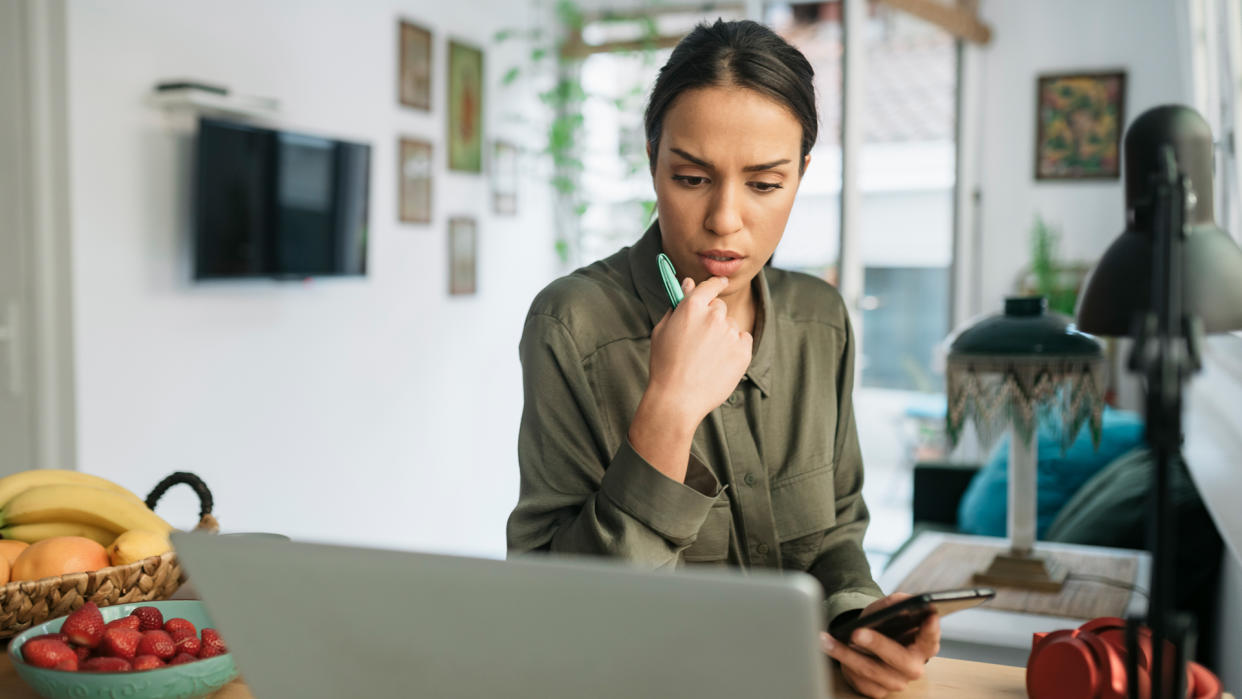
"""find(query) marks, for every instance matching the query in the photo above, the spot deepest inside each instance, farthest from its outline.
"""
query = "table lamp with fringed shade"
(1015, 371)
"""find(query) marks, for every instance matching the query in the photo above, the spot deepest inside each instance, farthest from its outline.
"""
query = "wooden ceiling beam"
(961, 20)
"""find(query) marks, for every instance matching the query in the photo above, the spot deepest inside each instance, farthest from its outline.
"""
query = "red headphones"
(1090, 663)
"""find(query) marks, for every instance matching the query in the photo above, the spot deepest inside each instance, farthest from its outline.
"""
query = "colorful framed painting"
(504, 178)
(414, 66)
(1080, 118)
(414, 181)
(463, 258)
(465, 117)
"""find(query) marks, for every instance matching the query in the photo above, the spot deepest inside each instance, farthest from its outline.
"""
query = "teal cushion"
(984, 507)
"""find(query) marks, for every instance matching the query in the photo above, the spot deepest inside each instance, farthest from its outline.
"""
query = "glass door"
(893, 134)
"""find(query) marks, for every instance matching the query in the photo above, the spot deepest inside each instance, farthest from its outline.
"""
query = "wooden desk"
(958, 679)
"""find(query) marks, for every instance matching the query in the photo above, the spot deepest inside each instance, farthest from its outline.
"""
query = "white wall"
(1051, 36)
(379, 410)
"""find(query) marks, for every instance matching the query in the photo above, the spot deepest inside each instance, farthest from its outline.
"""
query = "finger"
(898, 657)
(708, 290)
(927, 642)
(864, 686)
(687, 285)
(864, 666)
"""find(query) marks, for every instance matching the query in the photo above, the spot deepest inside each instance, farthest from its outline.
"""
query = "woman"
(722, 432)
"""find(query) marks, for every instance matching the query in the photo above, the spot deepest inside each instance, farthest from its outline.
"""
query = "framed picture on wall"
(504, 178)
(1080, 117)
(465, 117)
(414, 181)
(463, 262)
(414, 66)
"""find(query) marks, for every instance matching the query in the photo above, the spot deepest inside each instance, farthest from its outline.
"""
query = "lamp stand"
(1021, 567)
(1166, 353)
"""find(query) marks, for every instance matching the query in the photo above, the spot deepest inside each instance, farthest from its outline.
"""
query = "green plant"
(558, 55)
(1049, 277)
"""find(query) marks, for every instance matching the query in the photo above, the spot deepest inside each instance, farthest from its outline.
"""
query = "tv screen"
(278, 204)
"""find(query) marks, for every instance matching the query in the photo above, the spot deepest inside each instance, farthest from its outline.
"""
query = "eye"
(765, 186)
(689, 180)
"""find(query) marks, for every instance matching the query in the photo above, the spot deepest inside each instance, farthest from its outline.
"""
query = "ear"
(806, 163)
(650, 159)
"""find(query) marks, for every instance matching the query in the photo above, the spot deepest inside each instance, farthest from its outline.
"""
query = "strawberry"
(212, 640)
(54, 636)
(187, 642)
(49, 653)
(83, 652)
(182, 659)
(150, 618)
(147, 662)
(172, 626)
(120, 643)
(85, 627)
(157, 643)
(102, 664)
(125, 622)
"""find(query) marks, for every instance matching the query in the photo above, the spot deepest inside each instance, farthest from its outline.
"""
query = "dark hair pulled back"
(742, 53)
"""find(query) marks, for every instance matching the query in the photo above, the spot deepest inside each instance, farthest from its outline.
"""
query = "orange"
(9, 548)
(58, 556)
(4, 570)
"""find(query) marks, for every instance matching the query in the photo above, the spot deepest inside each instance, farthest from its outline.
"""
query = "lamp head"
(1119, 287)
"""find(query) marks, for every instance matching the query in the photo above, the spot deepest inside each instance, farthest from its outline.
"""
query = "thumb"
(687, 285)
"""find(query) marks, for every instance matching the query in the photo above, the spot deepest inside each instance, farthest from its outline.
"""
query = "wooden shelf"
(204, 102)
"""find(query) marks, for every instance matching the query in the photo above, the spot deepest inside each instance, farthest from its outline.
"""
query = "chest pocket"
(712, 544)
(804, 508)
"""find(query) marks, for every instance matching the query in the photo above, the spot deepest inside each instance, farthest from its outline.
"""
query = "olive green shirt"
(775, 475)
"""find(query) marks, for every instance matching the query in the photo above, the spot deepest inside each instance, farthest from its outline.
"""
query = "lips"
(721, 263)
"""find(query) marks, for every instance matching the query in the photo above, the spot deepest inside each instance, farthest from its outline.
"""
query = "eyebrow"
(749, 168)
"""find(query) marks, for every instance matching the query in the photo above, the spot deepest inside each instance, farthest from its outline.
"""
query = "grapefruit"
(59, 555)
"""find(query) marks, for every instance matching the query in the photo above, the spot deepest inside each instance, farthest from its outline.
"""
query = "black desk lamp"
(1171, 276)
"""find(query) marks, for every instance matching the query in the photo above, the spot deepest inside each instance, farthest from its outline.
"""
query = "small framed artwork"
(414, 66)
(1080, 118)
(463, 262)
(414, 181)
(504, 178)
(465, 117)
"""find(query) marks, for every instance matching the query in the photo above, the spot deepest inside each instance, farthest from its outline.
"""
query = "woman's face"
(725, 178)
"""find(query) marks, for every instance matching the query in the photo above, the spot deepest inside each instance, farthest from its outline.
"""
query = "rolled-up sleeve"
(578, 494)
(841, 566)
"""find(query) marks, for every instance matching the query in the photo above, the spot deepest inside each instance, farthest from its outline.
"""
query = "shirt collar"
(650, 290)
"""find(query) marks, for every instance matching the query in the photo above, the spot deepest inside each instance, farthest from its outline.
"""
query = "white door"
(16, 440)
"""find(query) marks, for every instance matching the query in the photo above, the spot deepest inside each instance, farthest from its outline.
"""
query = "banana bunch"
(43, 503)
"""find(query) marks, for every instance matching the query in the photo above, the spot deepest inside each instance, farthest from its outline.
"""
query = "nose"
(724, 215)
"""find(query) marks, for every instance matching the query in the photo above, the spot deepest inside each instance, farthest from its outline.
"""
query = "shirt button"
(762, 549)
(750, 479)
(735, 398)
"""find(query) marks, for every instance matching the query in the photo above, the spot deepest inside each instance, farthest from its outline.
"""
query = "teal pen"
(669, 277)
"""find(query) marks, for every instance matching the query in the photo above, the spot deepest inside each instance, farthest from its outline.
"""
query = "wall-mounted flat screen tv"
(278, 204)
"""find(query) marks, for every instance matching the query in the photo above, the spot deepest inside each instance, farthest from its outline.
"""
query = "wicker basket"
(28, 602)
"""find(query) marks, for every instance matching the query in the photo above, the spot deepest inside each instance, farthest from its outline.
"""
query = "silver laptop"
(310, 620)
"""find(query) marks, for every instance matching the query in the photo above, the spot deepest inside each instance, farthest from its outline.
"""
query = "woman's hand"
(698, 356)
(894, 665)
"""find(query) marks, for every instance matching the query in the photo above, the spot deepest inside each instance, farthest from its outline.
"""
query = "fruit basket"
(25, 603)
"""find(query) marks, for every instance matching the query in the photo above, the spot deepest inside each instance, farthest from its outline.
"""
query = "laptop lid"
(313, 620)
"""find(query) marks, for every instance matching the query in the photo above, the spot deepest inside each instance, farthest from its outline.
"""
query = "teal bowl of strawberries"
(150, 650)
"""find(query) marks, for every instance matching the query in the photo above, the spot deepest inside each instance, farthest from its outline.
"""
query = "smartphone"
(902, 620)
(669, 276)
